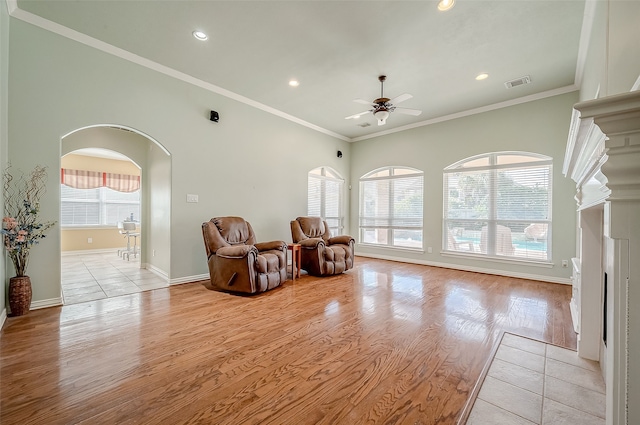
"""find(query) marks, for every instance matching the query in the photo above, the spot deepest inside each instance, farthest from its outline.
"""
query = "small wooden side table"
(296, 259)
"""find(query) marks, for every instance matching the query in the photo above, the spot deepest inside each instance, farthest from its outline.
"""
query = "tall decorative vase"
(19, 295)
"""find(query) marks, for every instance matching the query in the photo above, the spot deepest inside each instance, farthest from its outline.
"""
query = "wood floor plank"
(386, 342)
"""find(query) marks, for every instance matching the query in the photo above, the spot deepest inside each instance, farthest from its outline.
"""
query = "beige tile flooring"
(88, 277)
(530, 382)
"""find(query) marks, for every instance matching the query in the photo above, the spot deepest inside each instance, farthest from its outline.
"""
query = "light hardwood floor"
(386, 342)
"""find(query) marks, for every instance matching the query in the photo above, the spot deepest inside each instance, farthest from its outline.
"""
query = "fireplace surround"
(603, 158)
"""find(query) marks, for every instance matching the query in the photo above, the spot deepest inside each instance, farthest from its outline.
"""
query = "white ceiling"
(337, 49)
(100, 153)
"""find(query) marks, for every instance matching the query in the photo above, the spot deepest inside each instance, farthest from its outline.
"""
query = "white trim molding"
(189, 279)
(155, 270)
(51, 302)
(23, 15)
(487, 108)
(3, 317)
(89, 251)
(541, 278)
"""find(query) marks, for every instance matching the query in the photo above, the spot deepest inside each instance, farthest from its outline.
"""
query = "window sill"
(393, 248)
(505, 260)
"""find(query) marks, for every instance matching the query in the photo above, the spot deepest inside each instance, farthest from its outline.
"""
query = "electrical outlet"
(153, 253)
(565, 264)
(89, 240)
(430, 250)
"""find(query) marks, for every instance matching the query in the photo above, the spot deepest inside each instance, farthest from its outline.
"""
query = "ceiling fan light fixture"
(382, 107)
(445, 5)
(381, 115)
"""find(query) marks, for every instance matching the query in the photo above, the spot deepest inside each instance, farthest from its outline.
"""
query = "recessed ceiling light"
(294, 83)
(482, 76)
(445, 5)
(200, 35)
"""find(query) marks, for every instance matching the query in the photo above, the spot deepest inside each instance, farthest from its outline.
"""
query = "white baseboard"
(89, 251)
(155, 270)
(188, 279)
(551, 279)
(51, 302)
(35, 305)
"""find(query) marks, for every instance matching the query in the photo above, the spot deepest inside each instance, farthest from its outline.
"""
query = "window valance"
(81, 179)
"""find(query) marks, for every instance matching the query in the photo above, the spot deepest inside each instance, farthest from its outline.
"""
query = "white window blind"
(391, 207)
(79, 206)
(99, 206)
(499, 204)
(324, 197)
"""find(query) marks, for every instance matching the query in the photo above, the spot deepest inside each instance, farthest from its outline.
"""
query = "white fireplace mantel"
(603, 158)
(605, 131)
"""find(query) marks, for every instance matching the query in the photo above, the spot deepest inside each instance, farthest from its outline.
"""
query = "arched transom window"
(499, 205)
(324, 197)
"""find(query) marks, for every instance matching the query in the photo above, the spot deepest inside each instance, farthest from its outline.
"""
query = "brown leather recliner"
(322, 254)
(236, 262)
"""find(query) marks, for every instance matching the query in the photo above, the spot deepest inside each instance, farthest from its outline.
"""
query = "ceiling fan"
(383, 106)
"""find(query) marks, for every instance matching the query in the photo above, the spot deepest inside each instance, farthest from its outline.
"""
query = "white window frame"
(327, 174)
(488, 248)
(389, 228)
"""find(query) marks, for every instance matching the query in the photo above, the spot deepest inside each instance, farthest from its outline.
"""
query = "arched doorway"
(90, 265)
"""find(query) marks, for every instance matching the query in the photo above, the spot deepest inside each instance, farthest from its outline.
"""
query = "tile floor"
(88, 277)
(530, 382)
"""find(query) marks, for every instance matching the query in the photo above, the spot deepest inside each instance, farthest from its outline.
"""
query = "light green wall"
(157, 193)
(613, 53)
(251, 163)
(4, 135)
(624, 45)
(541, 127)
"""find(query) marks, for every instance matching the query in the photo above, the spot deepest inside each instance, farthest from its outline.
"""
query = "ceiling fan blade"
(364, 102)
(400, 98)
(408, 111)
(356, 115)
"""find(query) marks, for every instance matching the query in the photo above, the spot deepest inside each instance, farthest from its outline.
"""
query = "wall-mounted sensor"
(339, 154)
(214, 116)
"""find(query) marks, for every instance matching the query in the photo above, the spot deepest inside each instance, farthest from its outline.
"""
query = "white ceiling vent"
(518, 82)
(364, 124)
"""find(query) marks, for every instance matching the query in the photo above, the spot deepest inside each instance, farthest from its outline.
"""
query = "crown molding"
(16, 12)
(469, 112)
(38, 21)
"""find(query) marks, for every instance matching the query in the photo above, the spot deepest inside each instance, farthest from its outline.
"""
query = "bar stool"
(128, 230)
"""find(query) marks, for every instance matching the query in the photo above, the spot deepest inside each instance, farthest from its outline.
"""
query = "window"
(99, 206)
(499, 205)
(391, 207)
(93, 198)
(324, 197)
